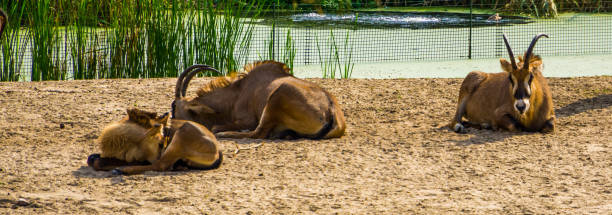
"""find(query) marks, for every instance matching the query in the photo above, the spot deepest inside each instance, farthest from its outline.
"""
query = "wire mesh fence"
(375, 36)
(364, 32)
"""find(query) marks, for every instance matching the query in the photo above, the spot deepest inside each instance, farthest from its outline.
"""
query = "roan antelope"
(517, 99)
(134, 139)
(265, 99)
(136, 144)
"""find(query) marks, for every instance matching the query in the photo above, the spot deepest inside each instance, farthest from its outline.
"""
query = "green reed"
(271, 44)
(78, 41)
(289, 50)
(127, 40)
(45, 43)
(165, 32)
(346, 68)
(336, 61)
(286, 53)
(328, 67)
(79, 37)
(218, 33)
(13, 41)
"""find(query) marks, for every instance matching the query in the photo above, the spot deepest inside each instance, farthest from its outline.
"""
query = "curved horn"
(4, 22)
(530, 49)
(179, 81)
(511, 55)
(192, 73)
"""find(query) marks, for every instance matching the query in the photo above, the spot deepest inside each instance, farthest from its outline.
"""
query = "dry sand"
(394, 158)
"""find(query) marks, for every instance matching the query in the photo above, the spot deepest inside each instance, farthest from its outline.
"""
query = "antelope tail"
(461, 110)
(326, 128)
(329, 125)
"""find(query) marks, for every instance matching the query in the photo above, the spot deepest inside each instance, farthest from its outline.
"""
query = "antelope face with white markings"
(521, 76)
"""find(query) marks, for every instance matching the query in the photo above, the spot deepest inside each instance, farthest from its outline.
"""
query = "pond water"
(413, 20)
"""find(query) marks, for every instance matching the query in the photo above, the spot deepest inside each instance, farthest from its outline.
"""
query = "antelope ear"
(133, 112)
(138, 116)
(151, 115)
(163, 119)
(535, 62)
(505, 65)
(200, 108)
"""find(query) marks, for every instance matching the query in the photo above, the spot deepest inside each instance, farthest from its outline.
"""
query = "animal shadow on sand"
(231, 151)
(583, 105)
(246, 144)
(88, 172)
(483, 136)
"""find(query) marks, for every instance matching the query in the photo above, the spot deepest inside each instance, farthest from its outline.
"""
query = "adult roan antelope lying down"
(517, 99)
(264, 99)
(136, 144)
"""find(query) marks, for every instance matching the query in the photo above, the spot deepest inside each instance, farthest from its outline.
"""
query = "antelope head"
(183, 108)
(521, 76)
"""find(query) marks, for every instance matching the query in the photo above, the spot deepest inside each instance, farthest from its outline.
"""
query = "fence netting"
(413, 33)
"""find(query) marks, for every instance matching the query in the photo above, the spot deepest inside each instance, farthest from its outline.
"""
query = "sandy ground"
(393, 159)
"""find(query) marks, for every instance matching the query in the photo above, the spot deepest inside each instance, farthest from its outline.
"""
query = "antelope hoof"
(233, 134)
(215, 129)
(549, 127)
(223, 134)
(513, 128)
(459, 128)
(117, 172)
(92, 159)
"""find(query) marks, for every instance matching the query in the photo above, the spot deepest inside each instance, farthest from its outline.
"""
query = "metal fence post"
(273, 30)
(470, 34)
(276, 37)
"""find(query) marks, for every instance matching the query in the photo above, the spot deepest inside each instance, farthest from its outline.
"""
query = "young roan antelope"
(144, 142)
(517, 99)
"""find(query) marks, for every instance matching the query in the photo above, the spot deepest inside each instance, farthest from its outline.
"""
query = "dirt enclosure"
(393, 159)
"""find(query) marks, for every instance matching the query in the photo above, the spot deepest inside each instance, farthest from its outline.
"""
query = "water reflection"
(392, 19)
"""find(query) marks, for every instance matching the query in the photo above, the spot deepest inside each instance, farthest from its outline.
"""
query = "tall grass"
(126, 41)
(286, 53)
(339, 59)
(328, 67)
(86, 59)
(219, 32)
(346, 69)
(45, 43)
(271, 44)
(165, 31)
(13, 41)
(138, 38)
